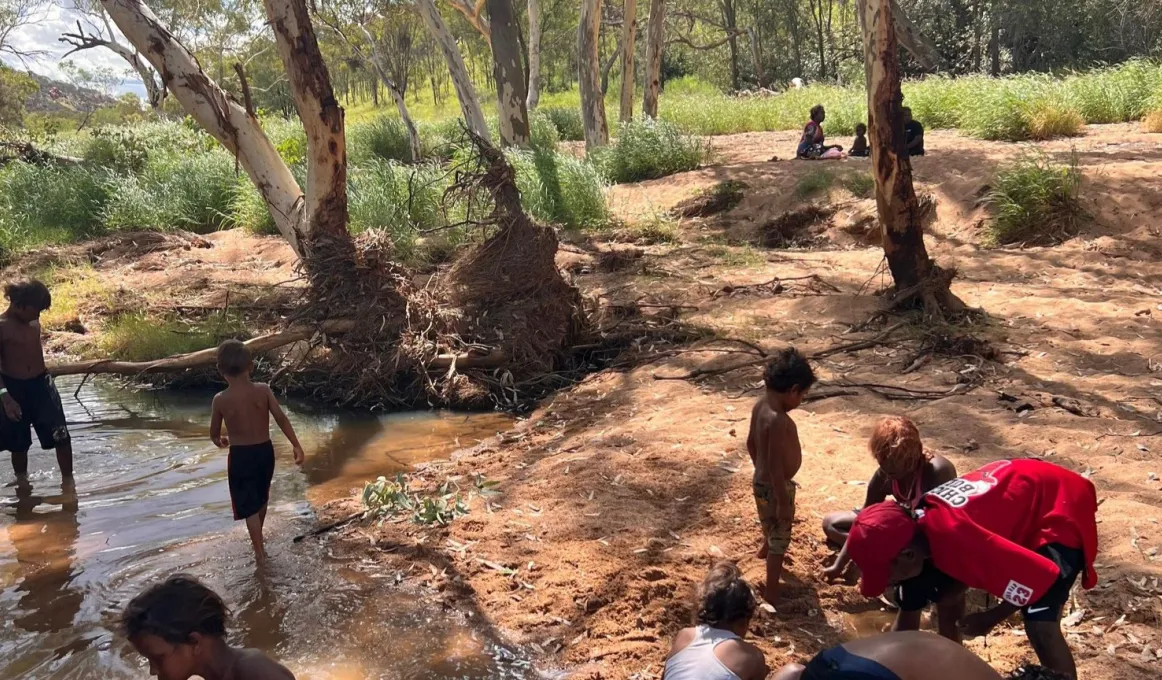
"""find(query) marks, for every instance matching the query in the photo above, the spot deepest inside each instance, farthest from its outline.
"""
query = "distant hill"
(56, 96)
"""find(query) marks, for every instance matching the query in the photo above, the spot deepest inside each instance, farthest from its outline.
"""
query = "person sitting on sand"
(773, 445)
(811, 145)
(913, 133)
(179, 626)
(907, 655)
(1022, 530)
(859, 145)
(906, 471)
(714, 648)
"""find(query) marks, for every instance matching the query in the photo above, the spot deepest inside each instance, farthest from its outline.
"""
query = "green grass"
(814, 182)
(648, 149)
(138, 337)
(1035, 201)
(859, 184)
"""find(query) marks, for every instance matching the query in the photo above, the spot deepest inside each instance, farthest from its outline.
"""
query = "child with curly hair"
(713, 648)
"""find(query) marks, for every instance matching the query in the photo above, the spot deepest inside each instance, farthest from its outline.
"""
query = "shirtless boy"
(27, 392)
(247, 407)
(773, 444)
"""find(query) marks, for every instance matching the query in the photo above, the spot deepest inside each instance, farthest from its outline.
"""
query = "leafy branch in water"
(389, 499)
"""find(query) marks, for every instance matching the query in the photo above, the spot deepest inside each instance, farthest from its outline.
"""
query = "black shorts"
(41, 410)
(932, 585)
(249, 470)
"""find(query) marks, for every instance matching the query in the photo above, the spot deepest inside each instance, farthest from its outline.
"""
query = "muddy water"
(152, 500)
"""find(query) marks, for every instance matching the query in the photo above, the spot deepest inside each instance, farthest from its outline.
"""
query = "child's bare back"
(245, 407)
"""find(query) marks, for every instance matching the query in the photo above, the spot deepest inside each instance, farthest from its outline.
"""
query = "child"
(246, 407)
(906, 471)
(910, 655)
(913, 133)
(713, 648)
(180, 627)
(859, 145)
(773, 444)
(27, 391)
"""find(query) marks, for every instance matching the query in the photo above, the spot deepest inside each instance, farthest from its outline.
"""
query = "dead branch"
(249, 103)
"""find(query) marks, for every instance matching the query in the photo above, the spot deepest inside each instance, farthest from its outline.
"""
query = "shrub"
(1035, 200)
(543, 133)
(1047, 121)
(1153, 121)
(567, 121)
(116, 149)
(648, 149)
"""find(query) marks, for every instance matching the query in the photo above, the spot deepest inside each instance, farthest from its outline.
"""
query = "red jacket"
(982, 528)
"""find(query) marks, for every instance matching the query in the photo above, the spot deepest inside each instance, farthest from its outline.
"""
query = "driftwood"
(263, 343)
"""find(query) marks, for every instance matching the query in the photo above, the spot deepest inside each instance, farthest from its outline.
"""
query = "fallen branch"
(329, 526)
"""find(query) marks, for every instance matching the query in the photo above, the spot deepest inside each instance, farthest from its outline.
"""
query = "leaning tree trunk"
(509, 76)
(628, 38)
(415, 146)
(237, 129)
(534, 94)
(757, 56)
(917, 278)
(655, 40)
(465, 92)
(589, 67)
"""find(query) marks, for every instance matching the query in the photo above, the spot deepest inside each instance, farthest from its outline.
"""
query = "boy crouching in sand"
(773, 444)
(246, 407)
(180, 627)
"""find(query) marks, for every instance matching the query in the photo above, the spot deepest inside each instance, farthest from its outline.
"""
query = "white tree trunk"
(508, 74)
(397, 95)
(629, 37)
(321, 115)
(221, 116)
(534, 95)
(655, 41)
(465, 92)
(589, 76)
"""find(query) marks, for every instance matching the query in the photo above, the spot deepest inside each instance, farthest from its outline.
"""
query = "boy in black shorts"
(27, 392)
(1022, 530)
(246, 407)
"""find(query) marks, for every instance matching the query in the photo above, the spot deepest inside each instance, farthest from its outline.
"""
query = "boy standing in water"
(180, 627)
(773, 444)
(246, 407)
(27, 392)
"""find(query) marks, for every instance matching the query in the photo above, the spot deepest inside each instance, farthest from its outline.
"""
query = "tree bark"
(911, 39)
(509, 76)
(655, 42)
(757, 56)
(154, 88)
(628, 40)
(896, 204)
(589, 75)
(225, 119)
(465, 91)
(473, 12)
(534, 93)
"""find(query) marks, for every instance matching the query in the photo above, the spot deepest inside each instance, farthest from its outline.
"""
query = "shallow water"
(151, 500)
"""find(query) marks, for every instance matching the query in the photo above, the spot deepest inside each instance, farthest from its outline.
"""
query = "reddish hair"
(896, 443)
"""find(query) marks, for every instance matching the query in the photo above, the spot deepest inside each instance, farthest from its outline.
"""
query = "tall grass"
(648, 149)
(1035, 201)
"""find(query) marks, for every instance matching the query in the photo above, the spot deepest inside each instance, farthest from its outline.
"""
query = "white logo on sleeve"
(1018, 594)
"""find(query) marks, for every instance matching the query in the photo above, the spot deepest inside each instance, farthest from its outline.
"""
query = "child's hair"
(786, 369)
(896, 443)
(723, 597)
(860, 129)
(233, 358)
(816, 111)
(1035, 672)
(175, 609)
(30, 293)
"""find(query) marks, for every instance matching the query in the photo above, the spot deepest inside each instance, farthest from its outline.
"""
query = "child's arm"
(782, 445)
(877, 491)
(216, 425)
(284, 424)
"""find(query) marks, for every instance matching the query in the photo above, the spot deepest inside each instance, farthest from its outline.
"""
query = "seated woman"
(811, 145)
(910, 655)
(713, 649)
(906, 471)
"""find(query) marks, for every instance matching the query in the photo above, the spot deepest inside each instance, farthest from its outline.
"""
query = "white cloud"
(43, 36)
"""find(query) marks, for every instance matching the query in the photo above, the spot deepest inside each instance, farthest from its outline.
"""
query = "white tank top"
(696, 661)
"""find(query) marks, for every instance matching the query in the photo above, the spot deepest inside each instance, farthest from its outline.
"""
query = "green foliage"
(1034, 201)
(382, 138)
(50, 203)
(396, 199)
(388, 499)
(118, 149)
(559, 188)
(570, 127)
(813, 182)
(139, 337)
(543, 132)
(648, 149)
(15, 89)
(859, 184)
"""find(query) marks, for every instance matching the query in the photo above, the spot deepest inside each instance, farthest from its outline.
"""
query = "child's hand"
(299, 455)
(222, 442)
(976, 625)
(833, 572)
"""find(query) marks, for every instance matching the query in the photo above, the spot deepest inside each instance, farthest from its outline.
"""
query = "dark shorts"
(837, 663)
(932, 585)
(250, 468)
(41, 410)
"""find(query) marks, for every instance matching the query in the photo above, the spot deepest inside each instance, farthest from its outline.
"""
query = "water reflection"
(152, 501)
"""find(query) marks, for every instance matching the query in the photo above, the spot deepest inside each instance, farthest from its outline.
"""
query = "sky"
(43, 35)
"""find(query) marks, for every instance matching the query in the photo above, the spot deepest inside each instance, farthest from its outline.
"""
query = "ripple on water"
(152, 501)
